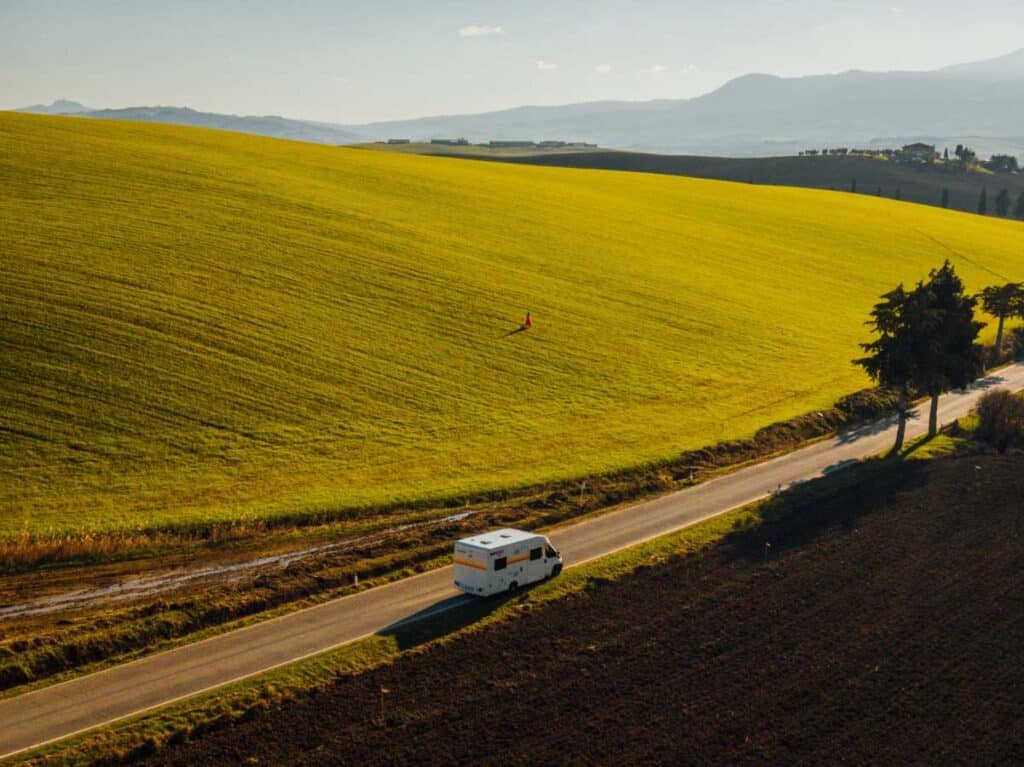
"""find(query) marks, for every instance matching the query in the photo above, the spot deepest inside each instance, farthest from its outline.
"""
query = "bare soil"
(886, 627)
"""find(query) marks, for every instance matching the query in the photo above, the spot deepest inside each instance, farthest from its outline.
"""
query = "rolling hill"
(920, 184)
(199, 325)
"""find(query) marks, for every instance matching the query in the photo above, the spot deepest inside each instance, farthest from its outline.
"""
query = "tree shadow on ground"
(873, 428)
(804, 512)
(983, 384)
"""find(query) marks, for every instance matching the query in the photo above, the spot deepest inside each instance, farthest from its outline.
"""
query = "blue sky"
(354, 62)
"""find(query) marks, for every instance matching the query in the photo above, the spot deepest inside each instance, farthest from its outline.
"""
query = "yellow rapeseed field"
(202, 326)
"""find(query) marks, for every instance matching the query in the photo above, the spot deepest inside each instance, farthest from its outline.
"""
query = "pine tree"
(951, 357)
(1002, 301)
(926, 343)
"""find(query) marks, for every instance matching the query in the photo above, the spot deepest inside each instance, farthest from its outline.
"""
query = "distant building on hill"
(918, 153)
(449, 141)
(512, 145)
(551, 144)
(398, 141)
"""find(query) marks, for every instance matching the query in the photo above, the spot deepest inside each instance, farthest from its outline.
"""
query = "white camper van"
(503, 560)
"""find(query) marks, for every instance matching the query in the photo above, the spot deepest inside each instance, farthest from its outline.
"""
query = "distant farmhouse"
(449, 141)
(398, 141)
(918, 154)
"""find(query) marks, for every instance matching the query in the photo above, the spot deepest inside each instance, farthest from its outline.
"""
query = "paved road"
(61, 710)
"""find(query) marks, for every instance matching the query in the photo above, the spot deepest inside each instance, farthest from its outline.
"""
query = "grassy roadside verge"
(144, 734)
(41, 653)
(28, 551)
(748, 528)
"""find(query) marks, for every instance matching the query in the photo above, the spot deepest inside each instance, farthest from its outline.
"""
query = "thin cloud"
(603, 69)
(480, 30)
(689, 69)
(545, 65)
(657, 69)
(340, 79)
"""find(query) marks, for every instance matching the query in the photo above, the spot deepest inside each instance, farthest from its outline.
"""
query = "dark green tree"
(899, 320)
(1018, 209)
(899, 192)
(983, 201)
(853, 186)
(949, 355)
(1003, 203)
(879, 190)
(926, 343)
(945, 195)
(1002, 301)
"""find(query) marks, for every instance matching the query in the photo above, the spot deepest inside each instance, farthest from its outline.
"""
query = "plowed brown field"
(885, 628)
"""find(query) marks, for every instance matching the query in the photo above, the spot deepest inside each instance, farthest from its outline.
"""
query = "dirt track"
(893, 635)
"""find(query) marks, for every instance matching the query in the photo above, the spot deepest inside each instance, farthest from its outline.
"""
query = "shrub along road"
(56, 712)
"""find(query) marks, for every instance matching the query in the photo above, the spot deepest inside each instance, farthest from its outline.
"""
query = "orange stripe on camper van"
(519, 559)
(470, 563)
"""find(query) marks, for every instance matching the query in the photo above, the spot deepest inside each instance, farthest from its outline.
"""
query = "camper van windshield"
(551, 552)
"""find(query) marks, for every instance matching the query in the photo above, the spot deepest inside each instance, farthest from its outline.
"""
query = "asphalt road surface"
(55, 712)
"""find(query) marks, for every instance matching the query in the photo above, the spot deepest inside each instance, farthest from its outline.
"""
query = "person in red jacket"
(527, 323)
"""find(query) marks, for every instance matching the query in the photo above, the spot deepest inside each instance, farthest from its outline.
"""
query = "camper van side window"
(500, 563)
(536, 553)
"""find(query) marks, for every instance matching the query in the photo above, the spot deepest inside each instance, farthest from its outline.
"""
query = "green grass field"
(202, 326)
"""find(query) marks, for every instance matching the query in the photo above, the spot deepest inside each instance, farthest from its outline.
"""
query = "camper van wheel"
(556, 571)
(513, 587)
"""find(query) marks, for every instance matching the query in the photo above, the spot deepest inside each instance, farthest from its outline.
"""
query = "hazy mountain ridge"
(750, 115)
(263, 125)
(58, 107)
(266, 125)
(760, 113)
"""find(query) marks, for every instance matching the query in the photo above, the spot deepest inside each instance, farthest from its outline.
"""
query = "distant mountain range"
(277, 127)
(58, 107)
(980, 103)
(765, 114)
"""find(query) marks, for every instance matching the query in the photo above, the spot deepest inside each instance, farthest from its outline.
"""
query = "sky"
(355, 62)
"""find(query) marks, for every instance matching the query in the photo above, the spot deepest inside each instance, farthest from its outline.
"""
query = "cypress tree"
(983, 201)
(1003, 203)
(945, 195)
